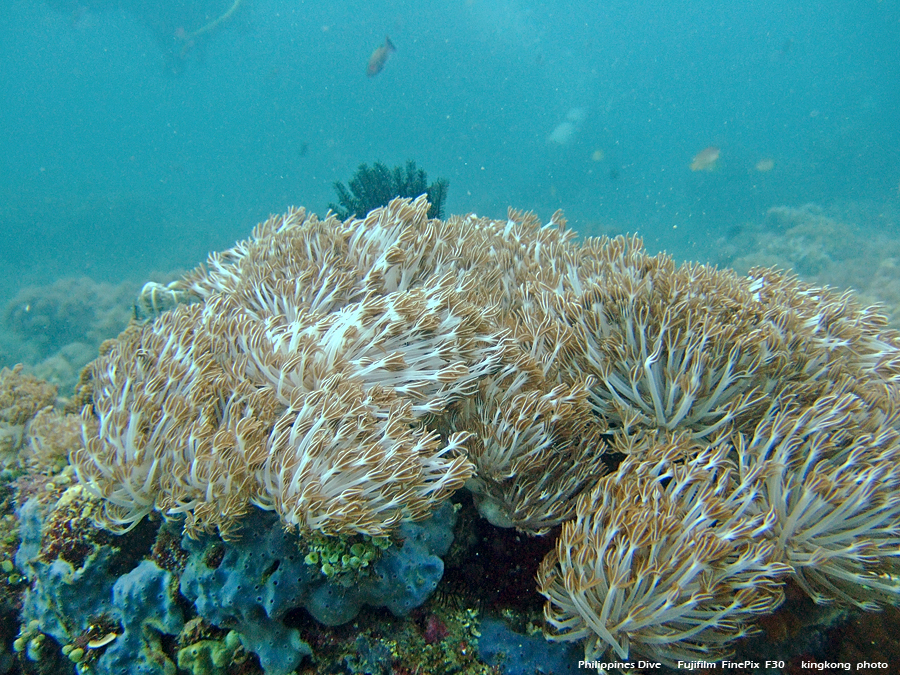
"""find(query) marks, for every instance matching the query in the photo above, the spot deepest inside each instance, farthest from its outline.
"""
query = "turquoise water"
(129, 151)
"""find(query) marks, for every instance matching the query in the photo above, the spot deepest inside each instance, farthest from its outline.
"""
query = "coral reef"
(58, 328)
(854, 247)
(22, 397)
(79, 598)
(327, 426)
(210, 657)
(372, 188)
(691, 442)
(665, 556)
(69, 310)
(94, 600)
(517, 654)
(52, 435)
(250, 584)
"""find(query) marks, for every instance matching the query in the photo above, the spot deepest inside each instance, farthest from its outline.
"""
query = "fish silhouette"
(379, 57)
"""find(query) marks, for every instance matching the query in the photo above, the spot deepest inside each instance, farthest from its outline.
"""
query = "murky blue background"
(125, 150)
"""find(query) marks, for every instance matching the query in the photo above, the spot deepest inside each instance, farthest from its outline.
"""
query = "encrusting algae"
(691, 438)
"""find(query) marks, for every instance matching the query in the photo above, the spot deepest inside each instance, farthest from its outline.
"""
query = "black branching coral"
(374, 188)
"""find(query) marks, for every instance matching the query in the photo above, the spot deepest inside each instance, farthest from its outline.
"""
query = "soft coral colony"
(700, 436)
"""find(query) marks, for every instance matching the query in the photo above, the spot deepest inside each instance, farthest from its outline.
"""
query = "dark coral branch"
(370, 188)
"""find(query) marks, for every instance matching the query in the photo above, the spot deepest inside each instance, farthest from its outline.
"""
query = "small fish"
(379, 57)
(706, 160)
(566, 129)
(765, 164)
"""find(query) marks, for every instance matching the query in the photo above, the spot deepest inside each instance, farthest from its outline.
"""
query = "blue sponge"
(250, 584)
(62, 599)
(143, 604)
(401, 580)
(518, 654)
